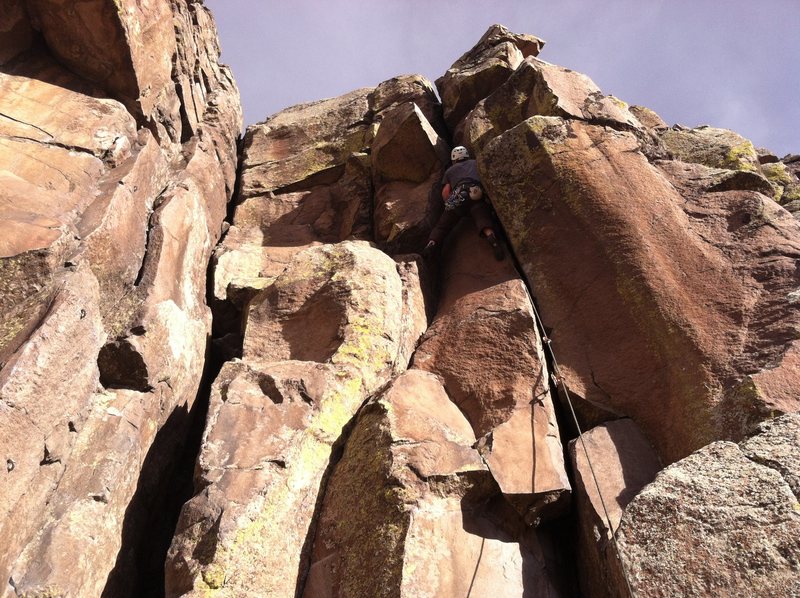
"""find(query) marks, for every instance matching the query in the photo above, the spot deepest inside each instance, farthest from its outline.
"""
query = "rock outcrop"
(723, 520)
(324, 336)
(406, 510)
(485, 346)
(690, 292)
(375, 423)
(112, 199)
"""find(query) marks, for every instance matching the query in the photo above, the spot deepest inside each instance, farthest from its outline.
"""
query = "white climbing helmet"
(459, 153)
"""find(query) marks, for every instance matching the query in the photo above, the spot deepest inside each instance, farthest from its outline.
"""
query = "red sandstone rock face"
(326, 468)
(485, 346)
(106, 235)
(539, 88)
(671, 303)
(405, 512)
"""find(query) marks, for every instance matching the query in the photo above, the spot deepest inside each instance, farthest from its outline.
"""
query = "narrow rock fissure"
(566, 526)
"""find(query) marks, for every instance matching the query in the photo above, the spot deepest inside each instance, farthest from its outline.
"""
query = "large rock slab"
(669, 299)
(611, 464)
(483, 69)
(484, 344)
(330, 331)
(725, 523)
(404, 512)
(313, 139)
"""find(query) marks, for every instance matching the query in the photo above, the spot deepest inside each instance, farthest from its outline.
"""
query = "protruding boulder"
(785, 183)
(405, 510)
(322, 338)
(305, 145)
(715, 521)
(540, 88)
(482, 70)
(408, 160)
(648, 118)
(695, 180)
(404, 89)
(611, 464)
(485, 346)
(717, 148)
(670, 300)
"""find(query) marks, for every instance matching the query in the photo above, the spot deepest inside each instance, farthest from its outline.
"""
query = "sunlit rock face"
(376, 423)
(118, 151)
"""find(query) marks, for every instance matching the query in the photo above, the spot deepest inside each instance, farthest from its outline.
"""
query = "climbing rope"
(560, 380)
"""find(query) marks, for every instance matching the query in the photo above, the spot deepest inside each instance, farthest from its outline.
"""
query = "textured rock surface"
(691, 294)
(106, 235)
(611, 463)
(308, 178)
(717, 148)
(408, 160)
(318, 341)
(405, 511)
(719, 522)
(540, 88)
(484, 344)
(664, 268)
(483, 69)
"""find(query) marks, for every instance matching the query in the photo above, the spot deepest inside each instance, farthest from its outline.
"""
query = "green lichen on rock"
(716, 148)
(742, 157)
(214, 576)
(785, 184)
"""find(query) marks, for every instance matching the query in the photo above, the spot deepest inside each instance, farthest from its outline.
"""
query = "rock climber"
(463, 194)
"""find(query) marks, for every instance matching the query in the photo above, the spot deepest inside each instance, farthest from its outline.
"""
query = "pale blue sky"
(726, 63)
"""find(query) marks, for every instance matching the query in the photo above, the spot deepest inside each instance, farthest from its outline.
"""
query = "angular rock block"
(404, 511)
(485, 346)
(322, 338)
(538, 88)
(408, 160)
(612, 463)
(670, 302)
(726, 520)
(713, 147)
(304, 141)
(482, 70)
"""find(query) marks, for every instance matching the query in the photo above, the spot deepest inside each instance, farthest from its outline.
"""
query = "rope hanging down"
(560, 380)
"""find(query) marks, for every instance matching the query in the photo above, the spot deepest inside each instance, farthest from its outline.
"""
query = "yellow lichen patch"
(214, 576)
(782, 181)
(742, 157)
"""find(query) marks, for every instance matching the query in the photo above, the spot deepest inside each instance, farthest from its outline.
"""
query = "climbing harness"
(558, 379)
(462, 193)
